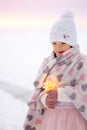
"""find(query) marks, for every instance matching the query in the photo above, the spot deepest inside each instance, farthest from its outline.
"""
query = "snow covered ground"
(12, 112)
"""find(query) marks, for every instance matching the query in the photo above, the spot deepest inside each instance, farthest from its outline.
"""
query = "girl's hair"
(55, 55)
(71, 47)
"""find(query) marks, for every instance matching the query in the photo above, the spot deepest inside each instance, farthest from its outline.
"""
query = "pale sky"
(39, 13)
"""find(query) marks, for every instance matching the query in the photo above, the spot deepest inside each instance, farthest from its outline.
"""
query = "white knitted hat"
(64, 30)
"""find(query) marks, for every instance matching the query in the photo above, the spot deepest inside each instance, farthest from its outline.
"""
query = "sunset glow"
(32, 22)
(21, 23)
(20, 14)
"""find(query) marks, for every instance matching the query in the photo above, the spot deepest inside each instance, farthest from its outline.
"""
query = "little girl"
(63, 108)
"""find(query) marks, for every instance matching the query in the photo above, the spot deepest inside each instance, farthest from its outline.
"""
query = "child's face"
(60, 47)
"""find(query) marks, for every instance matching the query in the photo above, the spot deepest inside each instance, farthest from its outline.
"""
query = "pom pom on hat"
(64, 30)
(67, 14)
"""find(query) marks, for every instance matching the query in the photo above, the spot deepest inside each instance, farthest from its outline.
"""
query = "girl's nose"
(59, 45)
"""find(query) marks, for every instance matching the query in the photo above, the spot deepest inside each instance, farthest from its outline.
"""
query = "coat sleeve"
(78, 93)
(35, 97)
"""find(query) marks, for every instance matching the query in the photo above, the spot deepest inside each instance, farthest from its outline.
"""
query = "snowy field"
(13, 106)
(12, 112)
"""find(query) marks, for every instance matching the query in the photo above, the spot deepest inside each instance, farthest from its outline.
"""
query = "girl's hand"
(51, 99)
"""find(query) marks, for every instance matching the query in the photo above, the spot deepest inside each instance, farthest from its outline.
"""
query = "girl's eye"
(63, 43)
(54, 43)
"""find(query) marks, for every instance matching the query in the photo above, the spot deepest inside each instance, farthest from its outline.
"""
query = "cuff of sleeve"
(68, 90)
(43, 99)
(62, 95)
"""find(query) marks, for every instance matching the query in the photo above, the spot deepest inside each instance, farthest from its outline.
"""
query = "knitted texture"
(64, 30)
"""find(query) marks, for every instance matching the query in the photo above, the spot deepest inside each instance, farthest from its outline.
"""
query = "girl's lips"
(60, 51)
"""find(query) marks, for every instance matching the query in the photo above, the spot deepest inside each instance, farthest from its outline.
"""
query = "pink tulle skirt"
(63, 119)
